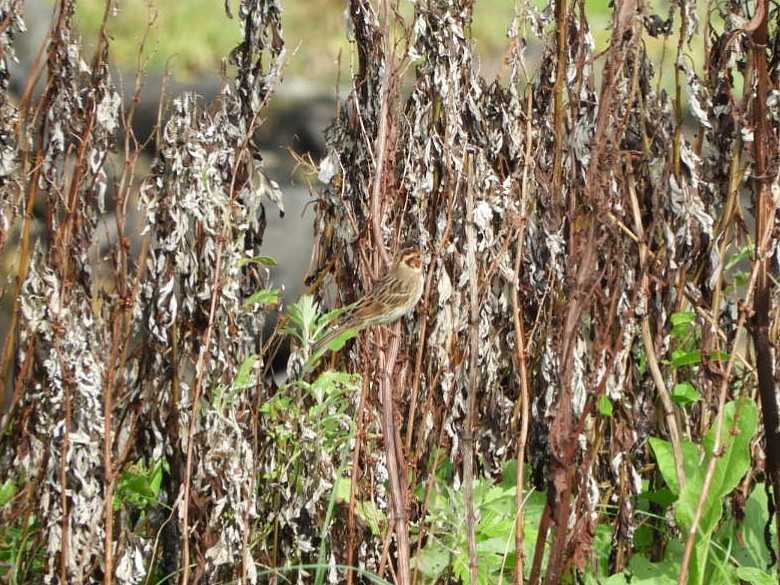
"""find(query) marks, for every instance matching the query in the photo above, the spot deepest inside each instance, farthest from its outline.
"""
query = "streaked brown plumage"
(396, 293)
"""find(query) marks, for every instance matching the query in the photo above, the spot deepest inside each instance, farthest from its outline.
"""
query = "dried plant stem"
(722, 395)
(523, 400)
(521, 363)
(473, 380)
(64, 448)
(678, 111)
(561, 13)
(666, 400)
(541, 539)
(647, 339)
(764, 151)
(353, 484)
(201, 361)
(394, 456)
(564, 435)
(382, 137)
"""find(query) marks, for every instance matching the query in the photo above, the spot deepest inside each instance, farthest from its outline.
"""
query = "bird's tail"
(338, 329)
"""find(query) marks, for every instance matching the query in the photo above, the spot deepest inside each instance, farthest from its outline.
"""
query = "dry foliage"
(564, 216)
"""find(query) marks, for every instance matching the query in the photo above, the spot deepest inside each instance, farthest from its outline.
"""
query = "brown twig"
(394, 455)
(764, 151)
(382, 137)
(353, 482)
(520, 358)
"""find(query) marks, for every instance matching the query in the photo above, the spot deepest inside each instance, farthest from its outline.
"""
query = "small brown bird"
(396, 293)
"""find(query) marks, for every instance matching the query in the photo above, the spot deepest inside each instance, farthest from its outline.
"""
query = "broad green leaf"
(739, 425)
(338, 342)
(682, 358)
(139, 484)
(750, 547)
(496, 545)
(684, 394)
(266, 296)
(662, 573)
(664, 456)
(509, 473)
(303, 317)
(343, 489)
(756, 576)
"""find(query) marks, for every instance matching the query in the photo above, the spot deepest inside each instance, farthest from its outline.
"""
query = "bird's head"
(410, 258)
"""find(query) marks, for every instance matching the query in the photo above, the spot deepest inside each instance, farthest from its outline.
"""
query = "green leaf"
(244, 377)
(750, 548)
(684, 394)
(366, 510)
(266, 296)
(343, 489)
(264, 260)
(371, 515)
(509, 473)
(741, 279)
(718, 356)
(663, 497)
(682, 318)
(330, 382)
(740, 422)
(432, 560)
(746, 253)
(7, 492)
(664, 456)
(338, 342)
(139, 485)
(682, 358)
(605, 405)
(495, 545)
(647, 573)
(682, 323)
(756, 576)
(303, 319)
(155, 480)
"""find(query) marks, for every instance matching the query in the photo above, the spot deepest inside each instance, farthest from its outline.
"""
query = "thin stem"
(473, 381)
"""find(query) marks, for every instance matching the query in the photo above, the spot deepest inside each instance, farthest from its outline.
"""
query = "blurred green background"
(194, 35)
